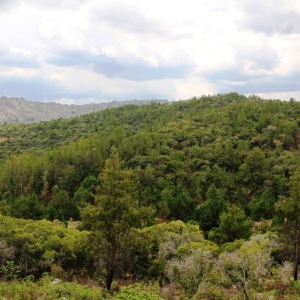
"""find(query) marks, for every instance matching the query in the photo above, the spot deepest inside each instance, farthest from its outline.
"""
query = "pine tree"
(112, 218)
(288, 211)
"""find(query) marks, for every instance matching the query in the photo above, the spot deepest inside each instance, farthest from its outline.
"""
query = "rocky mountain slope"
(21, 111)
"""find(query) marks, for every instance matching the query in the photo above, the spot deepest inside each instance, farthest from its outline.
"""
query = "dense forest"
(201, 196)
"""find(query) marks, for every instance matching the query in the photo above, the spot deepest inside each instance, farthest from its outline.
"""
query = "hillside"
(21, 111)
(164, 188)
(242, 149)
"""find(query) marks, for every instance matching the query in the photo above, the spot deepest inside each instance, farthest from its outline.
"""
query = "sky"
(77, 52)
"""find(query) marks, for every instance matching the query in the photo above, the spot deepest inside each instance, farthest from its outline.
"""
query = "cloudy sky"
(75, 51)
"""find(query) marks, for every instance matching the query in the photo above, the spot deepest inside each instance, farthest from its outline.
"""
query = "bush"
(44, 289)
(210, 292)
(9, 271)
(137, 292)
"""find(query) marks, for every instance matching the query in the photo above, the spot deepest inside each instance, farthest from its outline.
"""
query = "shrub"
(137, 292)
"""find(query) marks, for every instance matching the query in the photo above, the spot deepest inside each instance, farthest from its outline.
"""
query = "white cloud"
(281, 95)
(49, 28)
(271, 16)
(20, 51)
(105, 50)
(193, 87)
(64, 101)
(109, 51)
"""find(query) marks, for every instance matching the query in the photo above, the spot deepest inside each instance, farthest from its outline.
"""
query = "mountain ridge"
(21, 111)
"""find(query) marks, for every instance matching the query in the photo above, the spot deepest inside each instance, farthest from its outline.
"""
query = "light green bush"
(45, 289)
(137, 292)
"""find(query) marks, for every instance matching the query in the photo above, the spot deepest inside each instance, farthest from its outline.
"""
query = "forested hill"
(21, 111)
(161, 192)
(185, 156)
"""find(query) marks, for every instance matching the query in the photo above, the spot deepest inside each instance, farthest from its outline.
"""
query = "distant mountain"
(21, 111)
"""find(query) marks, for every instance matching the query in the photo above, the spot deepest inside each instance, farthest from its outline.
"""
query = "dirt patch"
(3, 139)
(73, 224)
(296, 142)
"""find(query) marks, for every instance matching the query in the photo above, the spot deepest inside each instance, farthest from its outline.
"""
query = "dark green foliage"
(9, 271)
(253, 172)
(262, 207)
(245, 147)
(29, 207)
(288, 215)
(111, 219)
(214, 161)
(233, 225)
(208, 213)
(180, 203)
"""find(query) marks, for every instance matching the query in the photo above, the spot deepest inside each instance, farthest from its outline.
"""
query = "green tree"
(262, 207)
(181, 205)
(288, 213)
(248, 265)
(190, 270)
(254, 169)
(83, 195)
(208, 213)
(28, 207)
(9, 271)
(6, 252)
(112, 218)
(35, 245)
(233, 225)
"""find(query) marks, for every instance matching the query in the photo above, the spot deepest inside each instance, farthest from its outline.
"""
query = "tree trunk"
(296, 271)
(111, 265)
(296, 253)
(245, 293)
(109, 278)
(296, 262)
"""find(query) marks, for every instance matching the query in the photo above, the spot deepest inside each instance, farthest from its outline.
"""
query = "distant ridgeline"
(21, 111)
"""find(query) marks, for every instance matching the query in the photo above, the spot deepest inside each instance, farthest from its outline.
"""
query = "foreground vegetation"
(199, 196)
(175, 255)
(46, 289)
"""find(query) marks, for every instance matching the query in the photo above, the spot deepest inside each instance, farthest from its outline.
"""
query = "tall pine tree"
(288, 211)
(111, 219)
